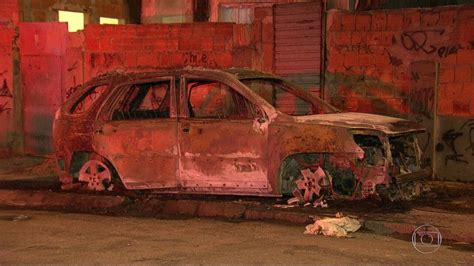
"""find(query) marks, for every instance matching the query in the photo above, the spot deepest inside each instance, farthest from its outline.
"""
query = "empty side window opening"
(144, 101)
(109, 21)
(88, 99)
(215, 100)
(281, 98)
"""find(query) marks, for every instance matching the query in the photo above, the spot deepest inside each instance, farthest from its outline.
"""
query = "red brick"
(463, 73)
(364, 105)
(148, 59)
(363, 22)
(334, 20)
(342, 38)
(105, 45)
(461, 107)
(471, 109)
(450, 59)
(130, 58)
(359, 38)
(204, 29)
(351, 59)
(379, 20)
(166, 59)
(352, 104)
(225, 29)
(465, 56)
(453, 90)
(172, 30)
(172, 44)
(92, 44)
(378, 49)
(429, 18)
(207, 44)
(335, 59)
(445, 106)
(348, 22)
(366, 60)
(189, 44)
(468, 91)
(395, 104)
(395, 21)
(186, 30)
(446, 75)
(223, 59)
(411, 19)
(382, 60)
(378, 38)
(447, 17)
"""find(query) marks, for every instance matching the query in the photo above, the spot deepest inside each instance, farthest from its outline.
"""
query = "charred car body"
(234, 131)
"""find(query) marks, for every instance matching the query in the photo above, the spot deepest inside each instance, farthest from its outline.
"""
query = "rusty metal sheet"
(297, 38)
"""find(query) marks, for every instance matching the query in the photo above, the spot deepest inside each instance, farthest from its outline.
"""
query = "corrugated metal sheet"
(298, 42)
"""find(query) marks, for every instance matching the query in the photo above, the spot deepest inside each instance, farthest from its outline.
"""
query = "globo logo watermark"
(426, 239)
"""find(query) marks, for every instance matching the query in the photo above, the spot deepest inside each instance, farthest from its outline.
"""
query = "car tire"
(96, 174)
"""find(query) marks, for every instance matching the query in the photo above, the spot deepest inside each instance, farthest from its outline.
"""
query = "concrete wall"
(413, 63)
(46, 10)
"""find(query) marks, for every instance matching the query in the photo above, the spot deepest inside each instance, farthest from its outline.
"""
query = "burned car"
(235, 131)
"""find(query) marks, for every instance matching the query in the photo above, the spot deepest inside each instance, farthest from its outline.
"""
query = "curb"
(229, 210)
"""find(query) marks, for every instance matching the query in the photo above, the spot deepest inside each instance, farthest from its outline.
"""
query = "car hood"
(386, 124)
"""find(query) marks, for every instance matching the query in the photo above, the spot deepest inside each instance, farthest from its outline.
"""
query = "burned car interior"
(144, 101)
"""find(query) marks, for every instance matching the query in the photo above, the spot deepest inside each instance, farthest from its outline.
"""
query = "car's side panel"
(144, 152)
(286, 139)
(223, 155)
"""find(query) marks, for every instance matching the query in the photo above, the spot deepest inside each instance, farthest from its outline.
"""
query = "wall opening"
(75, 20)
(109, 21)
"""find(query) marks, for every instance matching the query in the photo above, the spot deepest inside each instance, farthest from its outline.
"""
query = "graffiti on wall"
(198, 59)
(423, 41)
(453, 139)
(5, 93)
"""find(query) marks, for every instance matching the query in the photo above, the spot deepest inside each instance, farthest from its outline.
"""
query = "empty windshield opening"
(288, 98)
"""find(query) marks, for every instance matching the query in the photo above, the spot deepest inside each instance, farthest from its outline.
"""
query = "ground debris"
(284, 206)
(20, 218)
(339, 226)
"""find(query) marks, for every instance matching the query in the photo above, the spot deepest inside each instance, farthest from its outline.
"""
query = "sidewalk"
(28, 183)
(28, 172)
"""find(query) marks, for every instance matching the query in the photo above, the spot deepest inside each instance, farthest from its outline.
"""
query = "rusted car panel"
(233, 131)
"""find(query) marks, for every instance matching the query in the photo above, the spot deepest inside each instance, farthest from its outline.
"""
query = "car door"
(140, 138)
(223, 148)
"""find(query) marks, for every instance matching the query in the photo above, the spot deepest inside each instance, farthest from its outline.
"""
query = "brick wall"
(411, 63)
(9, 11)
(6, 91)
(164, 46)
(371, 57)
(46, 10)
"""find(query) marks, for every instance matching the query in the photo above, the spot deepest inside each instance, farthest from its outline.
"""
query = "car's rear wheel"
(96, 175)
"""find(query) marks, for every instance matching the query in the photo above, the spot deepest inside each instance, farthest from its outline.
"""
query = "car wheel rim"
(95, 173)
